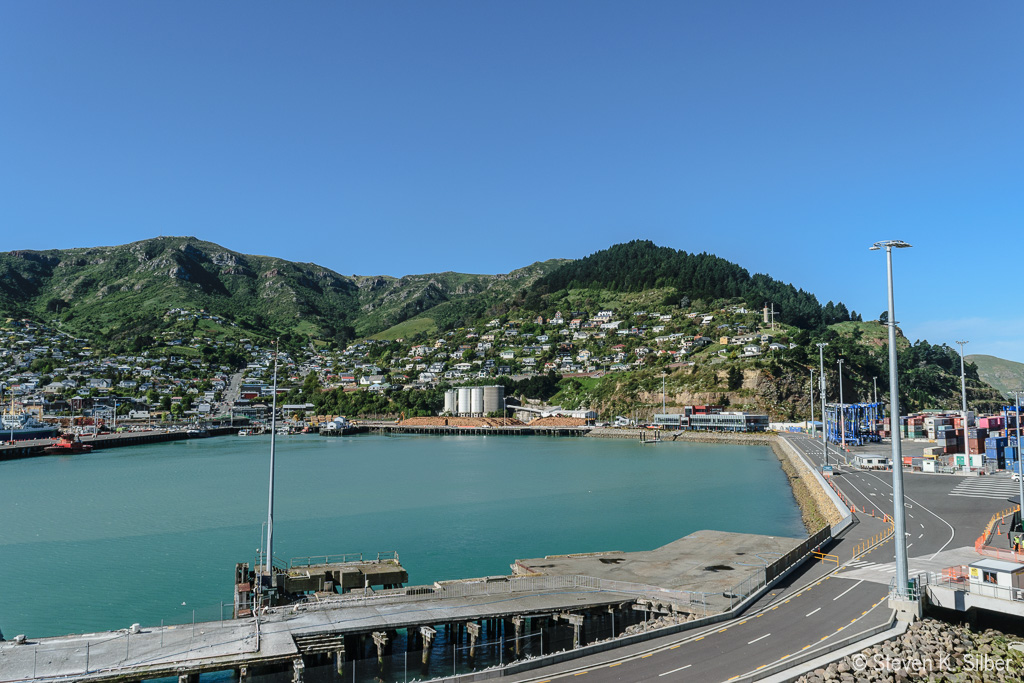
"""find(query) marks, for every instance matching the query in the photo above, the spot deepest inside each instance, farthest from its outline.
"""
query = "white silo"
(450, 397)
(477, 401)
(463, 407)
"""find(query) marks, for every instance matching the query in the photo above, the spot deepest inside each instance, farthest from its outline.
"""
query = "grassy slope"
(1004, 375)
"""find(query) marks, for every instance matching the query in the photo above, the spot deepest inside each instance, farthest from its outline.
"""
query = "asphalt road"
(820, 602)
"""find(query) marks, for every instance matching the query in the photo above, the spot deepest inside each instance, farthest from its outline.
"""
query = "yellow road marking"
(722, 630)
(675, 646)
(701, 638)
(822, 638)
(743, 622)
(646, 655)
(615, 664)
(580, 673)
(805, 647)
(784, 656)
(760, 667)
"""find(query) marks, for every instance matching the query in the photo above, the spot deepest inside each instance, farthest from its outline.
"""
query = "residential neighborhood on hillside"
(46, 371)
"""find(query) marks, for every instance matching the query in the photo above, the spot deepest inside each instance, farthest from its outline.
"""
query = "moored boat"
(68, 444)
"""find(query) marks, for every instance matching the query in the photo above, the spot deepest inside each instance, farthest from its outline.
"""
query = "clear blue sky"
(410, 137)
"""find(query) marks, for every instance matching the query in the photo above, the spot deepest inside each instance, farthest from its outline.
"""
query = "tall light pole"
(876, 425)
(963, 395)
(821, 390)
(270, 502)
(812, 401)
(842, 406)
(1020, 462)
(899, 518)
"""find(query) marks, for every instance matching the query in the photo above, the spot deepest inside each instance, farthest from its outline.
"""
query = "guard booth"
(997, 579)
(867, 461)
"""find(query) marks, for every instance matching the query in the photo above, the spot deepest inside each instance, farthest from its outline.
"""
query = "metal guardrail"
(958, 579)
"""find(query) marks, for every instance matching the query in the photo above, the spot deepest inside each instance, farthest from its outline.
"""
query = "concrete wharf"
(467, 430)
(514, 617)
(34, 447)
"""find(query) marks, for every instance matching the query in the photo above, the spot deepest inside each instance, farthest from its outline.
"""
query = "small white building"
(997, 579)
(868, 461)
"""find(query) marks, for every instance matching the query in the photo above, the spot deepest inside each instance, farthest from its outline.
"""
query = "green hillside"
(115, 294)
(1004, 375)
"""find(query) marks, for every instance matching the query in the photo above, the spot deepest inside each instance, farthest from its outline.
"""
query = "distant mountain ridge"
(117, 292)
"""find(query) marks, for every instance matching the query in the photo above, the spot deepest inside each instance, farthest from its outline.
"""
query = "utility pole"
(821, 390)
(876, 389)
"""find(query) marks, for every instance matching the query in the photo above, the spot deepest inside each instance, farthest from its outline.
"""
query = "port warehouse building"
(711, 419)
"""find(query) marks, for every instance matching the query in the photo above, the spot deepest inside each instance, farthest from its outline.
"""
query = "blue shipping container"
(993, 454)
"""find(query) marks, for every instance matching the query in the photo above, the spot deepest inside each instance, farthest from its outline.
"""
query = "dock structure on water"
(337, 626)
(34, 447)
(470, 430)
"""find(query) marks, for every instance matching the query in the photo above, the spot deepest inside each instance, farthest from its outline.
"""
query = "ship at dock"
(20, 426)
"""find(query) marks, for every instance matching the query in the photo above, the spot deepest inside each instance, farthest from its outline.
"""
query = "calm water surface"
(151, 533)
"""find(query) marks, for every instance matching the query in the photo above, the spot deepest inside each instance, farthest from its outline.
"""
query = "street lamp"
(842, 406)
(899, 519)
(821, 390)
(963, 395)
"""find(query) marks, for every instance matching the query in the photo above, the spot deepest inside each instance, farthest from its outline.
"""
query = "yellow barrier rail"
(825, 557)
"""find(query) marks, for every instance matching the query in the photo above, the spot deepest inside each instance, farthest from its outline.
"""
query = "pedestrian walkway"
(995, 487)
(881, 572)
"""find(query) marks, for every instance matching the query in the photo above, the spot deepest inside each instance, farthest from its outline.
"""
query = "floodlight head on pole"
(889, 244)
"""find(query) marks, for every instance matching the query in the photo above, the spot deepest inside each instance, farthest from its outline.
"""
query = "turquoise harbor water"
(150, 533)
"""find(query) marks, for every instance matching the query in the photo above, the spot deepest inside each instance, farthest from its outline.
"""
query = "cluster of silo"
(475, 401)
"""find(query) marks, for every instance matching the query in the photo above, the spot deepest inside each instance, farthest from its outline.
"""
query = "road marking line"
(783, 657)
(922, 525)
(646, 655)
(805, 647)
(701, 638)
(822, 638)
(680, 645)
(760, 667)
(722, 630)
(848, 590)
(675, 670)
(743, 622)
(580, 673)
(810, 613)
(920, 537)
(615, 664)
(757, 639)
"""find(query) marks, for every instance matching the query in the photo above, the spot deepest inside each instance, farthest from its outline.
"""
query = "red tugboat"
(68, 444)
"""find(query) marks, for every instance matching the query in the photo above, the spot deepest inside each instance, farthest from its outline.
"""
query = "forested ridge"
(641, 264)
